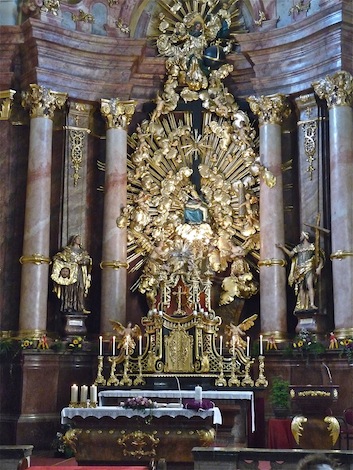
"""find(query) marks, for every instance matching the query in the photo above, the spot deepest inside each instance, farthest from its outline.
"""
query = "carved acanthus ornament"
(336, 89)
(82, 16)
(309, 127)
(272, 109)
(6, 100)
(118, 114)
(42, 102)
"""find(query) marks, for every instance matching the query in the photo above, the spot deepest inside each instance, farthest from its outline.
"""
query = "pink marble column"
(35, 258)
(118, 115)
(337, 89)
(273, 303)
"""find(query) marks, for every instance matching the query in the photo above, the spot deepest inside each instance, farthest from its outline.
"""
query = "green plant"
(279, 393)
(346, 346)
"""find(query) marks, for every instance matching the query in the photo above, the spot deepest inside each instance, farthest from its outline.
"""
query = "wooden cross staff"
(318, 229)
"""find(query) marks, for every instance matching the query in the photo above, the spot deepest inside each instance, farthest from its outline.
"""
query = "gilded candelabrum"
(221, 381)
(126, 379)
(261, 381)
(113, 380)
(139, 380)
(233, 380)
(100, 380)
(247, 380)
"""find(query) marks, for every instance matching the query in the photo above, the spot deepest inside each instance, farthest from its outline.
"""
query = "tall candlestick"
(140, 345)
(84, 394)
(113, 346)
(261, 346)
(101, 345)
(220, 344)
(74, 393)
(248, 346)
(233, 345)
(93, 393)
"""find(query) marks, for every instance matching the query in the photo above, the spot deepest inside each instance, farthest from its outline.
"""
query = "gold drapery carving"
(42, 102)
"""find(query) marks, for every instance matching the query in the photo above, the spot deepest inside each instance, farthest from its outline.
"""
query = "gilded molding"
(42, 102)
(272, 262)
(35, 258)
(118, 114)
(6, 100)
(115, 264)
(271, 109)
(336, 89)
(340, 254)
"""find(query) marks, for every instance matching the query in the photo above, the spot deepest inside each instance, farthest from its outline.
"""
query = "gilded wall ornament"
(336, 89)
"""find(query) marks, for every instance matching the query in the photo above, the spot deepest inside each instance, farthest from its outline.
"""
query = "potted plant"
(279, 397)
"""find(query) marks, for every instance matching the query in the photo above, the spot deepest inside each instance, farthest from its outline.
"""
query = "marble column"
(118, 115)
(35, 259)
(271, 110)
(337, 90)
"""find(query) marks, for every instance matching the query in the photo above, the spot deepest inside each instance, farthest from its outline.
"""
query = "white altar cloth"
(179, 394)
(119, 411)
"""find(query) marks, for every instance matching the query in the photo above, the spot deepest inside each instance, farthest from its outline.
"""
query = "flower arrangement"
(139, 403)
(305, 344)
(76, 343)
(347, 348)
(27, 343)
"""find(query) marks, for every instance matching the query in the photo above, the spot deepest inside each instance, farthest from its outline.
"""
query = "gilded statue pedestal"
(314, 427)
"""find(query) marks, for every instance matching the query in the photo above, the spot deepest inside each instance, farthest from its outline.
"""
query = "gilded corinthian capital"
(42, 102)
(336, 89)
(271, 109)
(117, 113)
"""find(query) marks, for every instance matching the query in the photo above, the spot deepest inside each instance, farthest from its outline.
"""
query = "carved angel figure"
(234, 333)
(126, 336)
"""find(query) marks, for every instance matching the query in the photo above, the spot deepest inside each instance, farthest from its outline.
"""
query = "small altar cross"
(179, 294)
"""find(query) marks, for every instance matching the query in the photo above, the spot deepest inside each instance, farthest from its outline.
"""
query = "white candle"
(220, 344)
(74, 393)
(198, 394)
(101, 345)
(93, 393)
(140, 345)
(233, 344)
(248, 346)
(113, 346)
(84, 394)
(261, 345)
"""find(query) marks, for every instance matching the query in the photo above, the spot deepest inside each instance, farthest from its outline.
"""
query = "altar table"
(111, 396)
(109, 434)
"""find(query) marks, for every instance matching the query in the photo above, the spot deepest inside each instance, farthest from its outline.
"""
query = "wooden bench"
(233, 458)
(15, 457)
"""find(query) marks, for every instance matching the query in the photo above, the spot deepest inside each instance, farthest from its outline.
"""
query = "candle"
(198, 394)
(233, 345)
(220, 345)
(248, 346)
(140, 345)
(84, 394)
(93, 393)
(127, 345)
(74, 393)
(261, 345)
(101, 345)
(113, 346)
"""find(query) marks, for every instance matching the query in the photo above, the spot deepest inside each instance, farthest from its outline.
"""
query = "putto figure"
(72, 276)
(306, 267)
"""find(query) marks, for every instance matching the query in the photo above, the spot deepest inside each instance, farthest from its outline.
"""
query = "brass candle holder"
(113, 380)
(261, 381)
(139, 380)
(221, 381)
(100, 380)
(126, 379)
(233, 380)
(247, 380)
